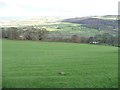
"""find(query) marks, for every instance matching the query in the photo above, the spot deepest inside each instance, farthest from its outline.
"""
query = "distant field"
(71, 29)
(31, 64)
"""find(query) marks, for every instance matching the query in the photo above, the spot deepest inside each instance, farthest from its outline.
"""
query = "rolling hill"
(66, 27)
(105, 23)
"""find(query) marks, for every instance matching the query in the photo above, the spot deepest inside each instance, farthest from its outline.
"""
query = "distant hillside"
(84, 26)
(111, 16)
(28, 21)
(99, 23)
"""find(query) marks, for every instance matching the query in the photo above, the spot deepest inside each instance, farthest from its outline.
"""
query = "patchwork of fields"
(72, 29)
(32, 64)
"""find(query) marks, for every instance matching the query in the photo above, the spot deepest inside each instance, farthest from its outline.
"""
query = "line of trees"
(32, 33)
(28, 33)
(106, 39)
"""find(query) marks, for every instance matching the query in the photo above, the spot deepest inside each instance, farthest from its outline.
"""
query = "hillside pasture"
(30, 64)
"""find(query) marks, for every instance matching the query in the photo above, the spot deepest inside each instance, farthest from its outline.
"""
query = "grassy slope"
(37, 64)
(96, 24)
(72, 29)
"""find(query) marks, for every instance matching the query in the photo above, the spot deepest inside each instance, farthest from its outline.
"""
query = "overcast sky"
(75, 8)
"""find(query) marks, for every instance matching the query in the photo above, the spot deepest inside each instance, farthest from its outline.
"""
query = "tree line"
(33, 33)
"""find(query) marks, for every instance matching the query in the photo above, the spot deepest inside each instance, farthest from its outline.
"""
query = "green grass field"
(29, 64)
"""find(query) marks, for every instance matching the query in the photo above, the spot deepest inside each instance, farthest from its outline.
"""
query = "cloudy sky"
(75, 8)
